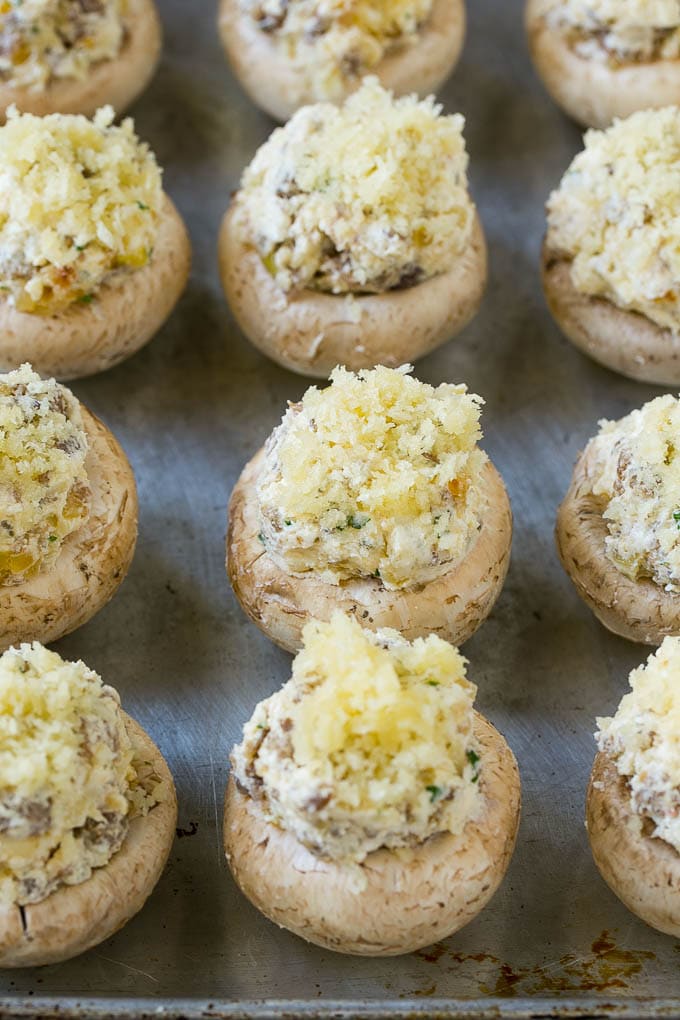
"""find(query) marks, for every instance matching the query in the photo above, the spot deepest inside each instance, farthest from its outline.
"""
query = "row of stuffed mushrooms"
(370, 810)
(599, 59)
(354, 240)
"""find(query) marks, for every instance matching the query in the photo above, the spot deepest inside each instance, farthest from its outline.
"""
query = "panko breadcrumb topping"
(43, 40)
(79, 202)
(616, 216)
(369, 196)
(44, 491)
(643, 738)
(618, 31)
(375, 476)
(336, 42)
(636, 472)
(370, 743)
(70, 779)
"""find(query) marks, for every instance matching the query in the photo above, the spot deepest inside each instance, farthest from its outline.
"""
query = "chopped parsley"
(432, 683)
(356, 521)
(52, 538)
(676, 518)
(261, 538)
(473, 758)
(143, 206)
(85, 299)
(435, 792)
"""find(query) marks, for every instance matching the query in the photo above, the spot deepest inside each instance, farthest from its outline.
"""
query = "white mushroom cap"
(93, 560)
(124, 315)
(279, 88)
(311, 332)
(396, 901)
(452, 606)
(115, 82)
(638, 610)
(627, 342)
(76, 917)
(594, 93)
(644, 872)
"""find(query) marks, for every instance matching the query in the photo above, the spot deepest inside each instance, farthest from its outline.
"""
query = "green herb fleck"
(52, 538)
(434, 792)
(432, 683)
(676, 518)
(357, 521)
(376, 573)
(288, 523)
(85, 299)
(473, 758)
(80, 247)
(143, 206)
(261, 538)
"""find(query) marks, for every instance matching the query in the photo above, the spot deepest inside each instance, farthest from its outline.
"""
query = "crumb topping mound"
(44, 491)
(643, 738)
(616, 216)
(79, 201)
(366, 197)
(619, 31)
(369, 744)
(43, 40)
(70, 780)
(336, 42)
(636, 472)
(376, 476)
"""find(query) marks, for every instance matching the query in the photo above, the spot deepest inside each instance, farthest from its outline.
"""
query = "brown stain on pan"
(605, 968)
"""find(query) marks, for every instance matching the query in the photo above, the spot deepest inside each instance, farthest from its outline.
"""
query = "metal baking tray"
(190, 409)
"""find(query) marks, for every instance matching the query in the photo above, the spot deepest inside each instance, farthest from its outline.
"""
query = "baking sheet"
(190, 409)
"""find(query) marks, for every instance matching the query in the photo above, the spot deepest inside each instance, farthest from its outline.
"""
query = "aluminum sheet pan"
(190, 409)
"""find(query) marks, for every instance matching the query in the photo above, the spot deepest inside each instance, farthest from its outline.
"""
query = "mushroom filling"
(636, 473)
(70, 779)
(616, 216)
(643, 739)
(618, 32)
(376, 476)
(80, 202)
(336, 42)
(370, 744)
(44, 491)
(44, 40)
(368, 197)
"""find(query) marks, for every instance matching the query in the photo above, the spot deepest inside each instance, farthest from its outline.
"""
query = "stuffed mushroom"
(87, 809)
(288, 53)
(353, 239)
(68, 511)
(632, 807)
(93, 254)
(73, 56)
(611, 256)
(618, 528)
(373, 497)
(370, 809)
(602, 59)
